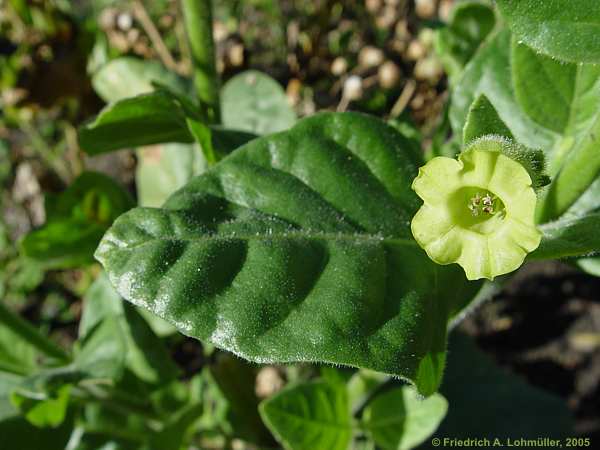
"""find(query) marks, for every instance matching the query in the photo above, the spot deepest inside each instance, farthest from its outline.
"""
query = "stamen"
(482, 204)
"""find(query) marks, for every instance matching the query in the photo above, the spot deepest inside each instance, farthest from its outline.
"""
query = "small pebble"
(425, 9)
(339, 66)
(388, 75)
(370, 57)
(353, 88)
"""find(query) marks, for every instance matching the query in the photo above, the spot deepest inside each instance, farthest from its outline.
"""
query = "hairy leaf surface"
(297, 247)
(564, 29)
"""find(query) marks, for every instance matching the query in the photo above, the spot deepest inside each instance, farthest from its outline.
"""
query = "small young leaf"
(310, 415)
(203, 135)
(563, 29)
(162, 169)
(469, 24)
(50, 411)
(400, 419)
(143, 120)
(172, 436)
(252, 101)
(92, 196)
(588, 203)
(483, 120)
(590, 265)
(162, 116)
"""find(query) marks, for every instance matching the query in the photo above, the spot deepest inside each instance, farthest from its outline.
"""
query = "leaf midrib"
(571, 23)
(281, 237)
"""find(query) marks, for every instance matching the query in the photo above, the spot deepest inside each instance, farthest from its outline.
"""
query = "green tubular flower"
(477, 212)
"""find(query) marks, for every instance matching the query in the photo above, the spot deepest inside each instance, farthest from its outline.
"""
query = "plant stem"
(30, 334)
(197, 15)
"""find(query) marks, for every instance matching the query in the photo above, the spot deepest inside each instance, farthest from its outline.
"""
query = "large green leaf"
(76, 220)
(564, 29)
(569, 104)
(569, 236)
(399, 419)
(310, 415)
(297, 247)
(253, 101)
(546, 104)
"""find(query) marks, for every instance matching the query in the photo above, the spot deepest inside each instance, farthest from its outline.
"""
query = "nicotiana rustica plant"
(310, 244)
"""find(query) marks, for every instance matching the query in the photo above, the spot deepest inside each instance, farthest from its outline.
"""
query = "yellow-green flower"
(478, 211)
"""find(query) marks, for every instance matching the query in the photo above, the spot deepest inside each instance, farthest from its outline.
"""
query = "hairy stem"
(197, 15)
